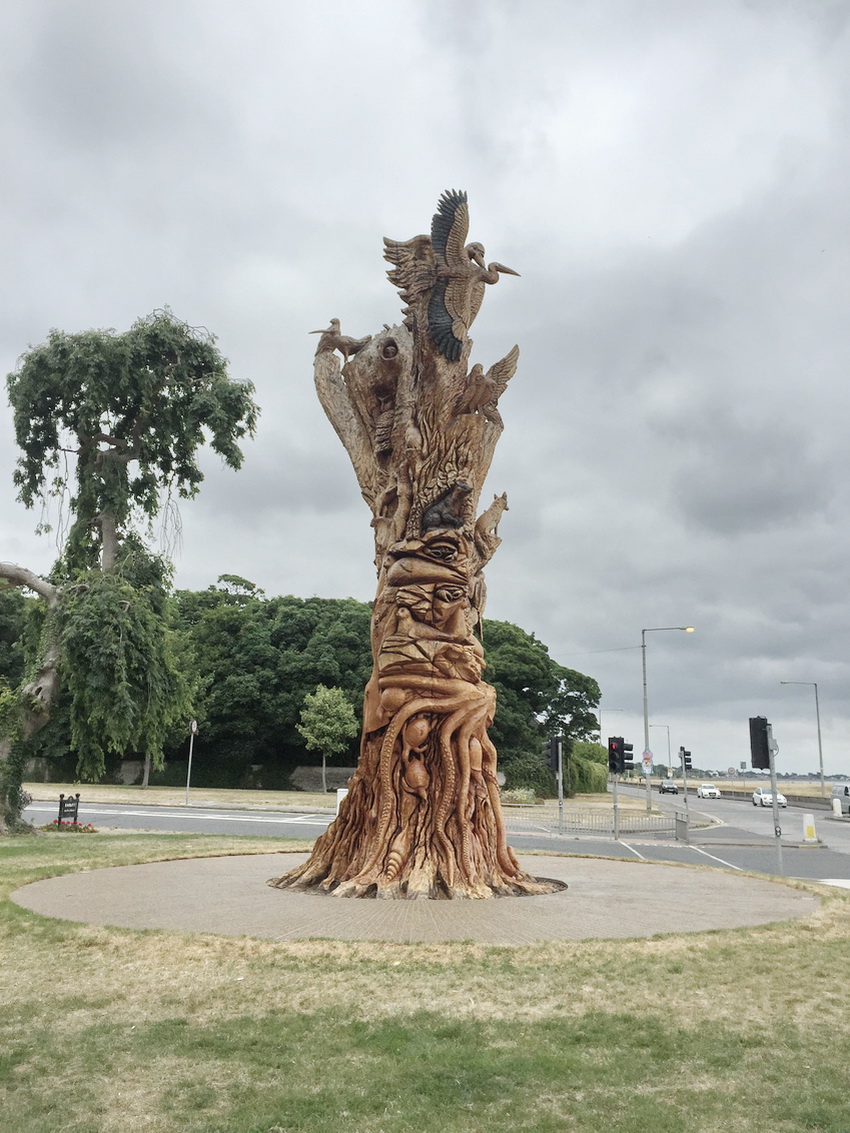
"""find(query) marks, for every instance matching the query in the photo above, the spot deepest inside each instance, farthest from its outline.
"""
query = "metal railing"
(544, 819)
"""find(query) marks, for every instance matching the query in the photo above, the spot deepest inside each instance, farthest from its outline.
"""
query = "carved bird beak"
(503, 269)
(327, 330)
(478, 257)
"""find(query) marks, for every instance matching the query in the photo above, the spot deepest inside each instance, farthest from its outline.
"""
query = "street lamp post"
(817, 716)
(643, 633)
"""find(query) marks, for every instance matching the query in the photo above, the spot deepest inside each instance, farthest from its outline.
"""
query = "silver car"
(763, 796)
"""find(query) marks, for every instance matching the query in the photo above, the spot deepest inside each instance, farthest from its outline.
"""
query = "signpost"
(560, 773)
(69, 807)
(193, 731)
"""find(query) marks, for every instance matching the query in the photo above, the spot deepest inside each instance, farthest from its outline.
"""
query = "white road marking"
(634, 851)
(714, 859)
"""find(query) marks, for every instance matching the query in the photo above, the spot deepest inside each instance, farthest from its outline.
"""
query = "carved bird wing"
(500, 373)
(447, 310)
(413, 268)
(449, 229)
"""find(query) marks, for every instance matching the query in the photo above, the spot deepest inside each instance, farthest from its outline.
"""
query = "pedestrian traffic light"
(759, 751)
(686, 759)
(628, 761)
(615, 754)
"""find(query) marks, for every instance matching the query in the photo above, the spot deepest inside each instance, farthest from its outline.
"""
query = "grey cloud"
(670, 180)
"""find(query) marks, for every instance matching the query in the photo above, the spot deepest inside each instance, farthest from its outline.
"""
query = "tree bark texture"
(422, 818)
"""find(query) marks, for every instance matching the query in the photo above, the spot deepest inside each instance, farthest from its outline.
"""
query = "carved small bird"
(332, 340)
(480, 392)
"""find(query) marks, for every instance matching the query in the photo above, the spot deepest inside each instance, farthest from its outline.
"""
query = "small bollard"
(341, 792)
(809, 834)
(836, 808)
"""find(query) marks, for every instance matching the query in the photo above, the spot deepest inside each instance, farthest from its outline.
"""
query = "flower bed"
(70, 827)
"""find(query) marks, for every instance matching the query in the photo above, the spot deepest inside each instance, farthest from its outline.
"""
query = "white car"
(707, 791)
(763, 796)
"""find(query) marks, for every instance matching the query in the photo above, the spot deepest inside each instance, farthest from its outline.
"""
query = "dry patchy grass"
(169, 1031)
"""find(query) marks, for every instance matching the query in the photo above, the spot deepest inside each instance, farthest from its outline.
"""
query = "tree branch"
(20, 576)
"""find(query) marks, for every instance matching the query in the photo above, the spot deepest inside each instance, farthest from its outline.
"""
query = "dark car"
(668, 787)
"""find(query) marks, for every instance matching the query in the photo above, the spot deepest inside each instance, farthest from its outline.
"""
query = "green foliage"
(588, 768)
(258, 658)
(119, 662)
(327, 724)
(149, 398)
(327, 721)
(112, 423)
(13, 610)
(12, 799)
(536, 697)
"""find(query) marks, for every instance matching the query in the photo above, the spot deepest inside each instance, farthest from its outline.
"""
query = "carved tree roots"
(422, 817)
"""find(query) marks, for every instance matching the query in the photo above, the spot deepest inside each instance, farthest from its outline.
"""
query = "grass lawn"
(104, 1030)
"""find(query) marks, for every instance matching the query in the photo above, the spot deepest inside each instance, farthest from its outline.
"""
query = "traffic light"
(552, 752)
(686, 759)
(759, 752)
(619, 755)
(615, 754)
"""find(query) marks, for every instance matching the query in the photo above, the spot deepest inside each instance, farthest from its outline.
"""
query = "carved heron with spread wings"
(453, 271)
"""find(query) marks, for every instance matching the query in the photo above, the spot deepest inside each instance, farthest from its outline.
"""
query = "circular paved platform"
(228, 896)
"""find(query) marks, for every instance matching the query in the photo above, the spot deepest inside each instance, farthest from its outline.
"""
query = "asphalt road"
(744, 840)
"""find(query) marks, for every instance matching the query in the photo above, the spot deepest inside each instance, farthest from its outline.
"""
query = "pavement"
(605, 899)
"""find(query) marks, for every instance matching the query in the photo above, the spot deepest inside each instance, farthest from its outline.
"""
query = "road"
(744, 840)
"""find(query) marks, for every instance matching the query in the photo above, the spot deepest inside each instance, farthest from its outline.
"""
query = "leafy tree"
(13, 610)
(257, 659)
(111, 424)
(327, 724)
(536, 697)
(588, 767)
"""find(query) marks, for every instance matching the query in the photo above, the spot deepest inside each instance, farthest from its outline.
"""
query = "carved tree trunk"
(422, 817)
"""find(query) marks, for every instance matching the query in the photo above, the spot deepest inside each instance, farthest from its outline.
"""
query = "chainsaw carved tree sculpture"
(422, 817)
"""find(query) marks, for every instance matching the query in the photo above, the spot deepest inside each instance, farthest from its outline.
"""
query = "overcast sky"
(671, 181)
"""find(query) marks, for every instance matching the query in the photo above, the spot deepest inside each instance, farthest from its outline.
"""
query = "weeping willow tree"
(422, 817)
(111, 424)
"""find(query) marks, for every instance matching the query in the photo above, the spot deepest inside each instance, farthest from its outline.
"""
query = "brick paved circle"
(228, 895)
